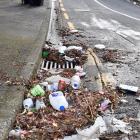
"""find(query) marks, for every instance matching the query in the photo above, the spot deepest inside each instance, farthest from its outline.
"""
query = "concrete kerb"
(8, 112)
(97, 74)
(10, 108)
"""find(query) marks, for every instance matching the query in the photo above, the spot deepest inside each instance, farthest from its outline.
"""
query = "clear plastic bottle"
(58, 101)
(75, 82)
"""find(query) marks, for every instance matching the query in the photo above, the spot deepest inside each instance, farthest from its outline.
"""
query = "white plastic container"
(62, 49)
(75, 82)
(28, 103)
(58, 101)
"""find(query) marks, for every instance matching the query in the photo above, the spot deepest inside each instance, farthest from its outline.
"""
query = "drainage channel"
(46, 65)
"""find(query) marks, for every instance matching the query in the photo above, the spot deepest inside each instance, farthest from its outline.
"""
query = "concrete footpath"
(23, 30)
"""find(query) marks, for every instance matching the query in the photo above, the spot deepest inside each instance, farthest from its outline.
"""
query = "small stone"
(100, 46)
(123, 101)
(30, 113)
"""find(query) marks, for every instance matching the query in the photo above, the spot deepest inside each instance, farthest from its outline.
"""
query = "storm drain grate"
(54, 65)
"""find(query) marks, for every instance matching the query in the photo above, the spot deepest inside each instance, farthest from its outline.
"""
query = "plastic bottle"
(28, 103)
(58, 101)
(75, 82)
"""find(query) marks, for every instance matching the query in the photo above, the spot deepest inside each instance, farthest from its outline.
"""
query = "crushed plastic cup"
(53, 87)
(78, 68)
(37, 91)
(79, 71)
(105, 104)
(39, 104)
(28, 103)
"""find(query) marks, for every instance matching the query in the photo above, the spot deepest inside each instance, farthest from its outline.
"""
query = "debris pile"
(55, 103)
(62, 54)
(41, 119)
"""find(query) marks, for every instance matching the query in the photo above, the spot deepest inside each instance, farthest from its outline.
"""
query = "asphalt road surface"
(116, 24)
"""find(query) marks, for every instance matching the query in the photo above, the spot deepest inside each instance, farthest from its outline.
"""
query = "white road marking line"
(116, 11)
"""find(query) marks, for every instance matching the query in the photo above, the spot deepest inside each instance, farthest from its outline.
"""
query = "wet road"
(116, 24)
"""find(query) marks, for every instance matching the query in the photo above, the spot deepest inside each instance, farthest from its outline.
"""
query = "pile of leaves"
(108, 55)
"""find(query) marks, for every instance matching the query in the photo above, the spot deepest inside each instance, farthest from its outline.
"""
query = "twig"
(89, 107)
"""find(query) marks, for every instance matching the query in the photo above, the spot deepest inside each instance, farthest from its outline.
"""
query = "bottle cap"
(62, 108)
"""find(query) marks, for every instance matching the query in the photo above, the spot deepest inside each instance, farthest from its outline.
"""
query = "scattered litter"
(100, 46)
(75, 82)
(79, 71)
(39, 104)
(73, 31)
(55, 71)
(68, 58)
(115, 125)
(138, 116)
(138, 98)
(58, 104)
(74, 47)
(52, 87)
(62, 85)
(57, 78)
(128, 88)
(37, 91)
(95, 130)
(17, 133)
(62, 49)
(123, 101)
(78, 68)
(58, 101)
(105, 104)
(45, 53)
(44, 85)
(28, 103)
